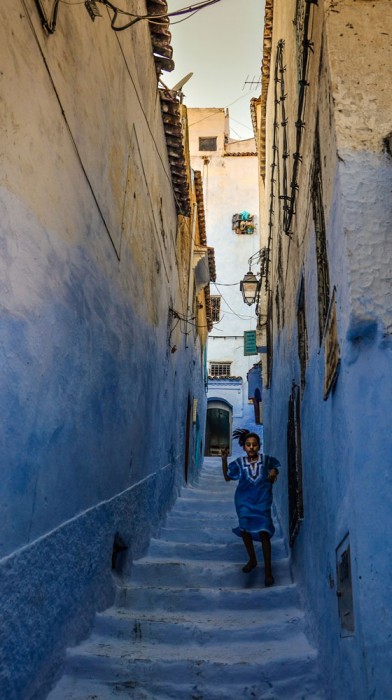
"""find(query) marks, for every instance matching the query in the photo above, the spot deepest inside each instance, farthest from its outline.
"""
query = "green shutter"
(250, 347)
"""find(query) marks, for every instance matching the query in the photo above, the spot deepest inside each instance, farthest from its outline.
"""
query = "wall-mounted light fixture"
(249, 287)
(251, 284)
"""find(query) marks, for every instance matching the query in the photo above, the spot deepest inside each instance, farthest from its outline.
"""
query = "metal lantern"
(249, 287)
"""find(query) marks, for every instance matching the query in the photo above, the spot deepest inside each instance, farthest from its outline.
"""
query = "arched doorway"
(218, 426)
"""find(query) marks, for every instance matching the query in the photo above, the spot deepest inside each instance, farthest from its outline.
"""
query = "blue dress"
(253, 495)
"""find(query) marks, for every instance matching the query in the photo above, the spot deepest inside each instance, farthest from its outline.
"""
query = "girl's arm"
(224, 455)
(273, 475)
(272, 465)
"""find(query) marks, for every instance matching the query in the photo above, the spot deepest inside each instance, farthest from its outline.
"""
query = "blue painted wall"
(346, 440)
(94, 409)
(93, 402)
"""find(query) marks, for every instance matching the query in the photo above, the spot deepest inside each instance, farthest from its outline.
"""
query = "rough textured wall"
(93, 402)
(346, 444)
(358, 39)
(360, 56)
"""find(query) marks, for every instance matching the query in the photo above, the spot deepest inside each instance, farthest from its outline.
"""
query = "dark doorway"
(187, 439)
(218, 428)
(294, 463)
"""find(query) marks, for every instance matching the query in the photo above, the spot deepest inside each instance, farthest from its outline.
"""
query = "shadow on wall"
(218, 426)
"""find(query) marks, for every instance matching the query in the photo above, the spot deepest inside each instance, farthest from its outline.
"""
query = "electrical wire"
(236, 133)
(231, 313)
(243, 318)
(50, 27)
(107, 3)
(241, 124)
(190, 9)
(209, 116)
(179, 20)
(227, 284)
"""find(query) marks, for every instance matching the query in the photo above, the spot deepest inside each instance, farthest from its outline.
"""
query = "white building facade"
(231, 200)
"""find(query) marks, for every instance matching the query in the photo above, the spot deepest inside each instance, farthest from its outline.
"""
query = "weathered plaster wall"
(358, 41)
(93, 402)
(346, 443)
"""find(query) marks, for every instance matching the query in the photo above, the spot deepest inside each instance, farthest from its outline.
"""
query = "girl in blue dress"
(255, 474)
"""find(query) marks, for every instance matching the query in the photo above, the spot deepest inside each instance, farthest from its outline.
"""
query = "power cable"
(191, 9)
(209, 116)
(242, 318)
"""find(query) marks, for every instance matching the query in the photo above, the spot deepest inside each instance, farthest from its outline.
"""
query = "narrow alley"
(190, 625)
(168, 283)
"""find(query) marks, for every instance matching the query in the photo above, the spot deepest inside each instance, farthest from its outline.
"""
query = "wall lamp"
(250, 285)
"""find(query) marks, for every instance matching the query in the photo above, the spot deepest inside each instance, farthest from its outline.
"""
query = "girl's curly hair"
(241, 434)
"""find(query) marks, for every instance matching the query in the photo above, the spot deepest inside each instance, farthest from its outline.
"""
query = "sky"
(222, 46)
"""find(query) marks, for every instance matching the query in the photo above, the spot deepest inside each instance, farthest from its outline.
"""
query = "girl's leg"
(248, 542)
(266, 545)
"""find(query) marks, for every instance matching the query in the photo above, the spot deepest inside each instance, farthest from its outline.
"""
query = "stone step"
(227, 551)
(197, 535)
(209, 493)
(204, 573)
(198, 629)
(210, 520)
(305, 687)
(203, 518)
(188, 624)
(206, 508)
(90, 689)
(245, 664)
(265, 618)
(205, 599)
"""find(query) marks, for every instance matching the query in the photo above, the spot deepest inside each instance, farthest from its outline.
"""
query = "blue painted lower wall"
(93, 407)
(51, 589)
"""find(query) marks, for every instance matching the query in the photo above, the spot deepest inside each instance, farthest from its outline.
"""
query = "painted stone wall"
(345, 442)
(93, 401)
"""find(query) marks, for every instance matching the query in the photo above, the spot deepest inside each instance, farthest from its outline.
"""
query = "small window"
(220, 369)
(215, 306)
(207, 143)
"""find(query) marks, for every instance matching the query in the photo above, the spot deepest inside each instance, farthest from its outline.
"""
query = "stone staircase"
(190, 625)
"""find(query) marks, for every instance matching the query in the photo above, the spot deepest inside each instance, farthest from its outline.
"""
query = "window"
(215, 307)
(207, 143)
(345, 590)
(220, 369)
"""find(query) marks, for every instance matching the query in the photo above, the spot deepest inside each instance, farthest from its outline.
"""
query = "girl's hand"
(224, 452)
(272, 475)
